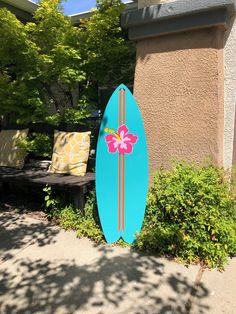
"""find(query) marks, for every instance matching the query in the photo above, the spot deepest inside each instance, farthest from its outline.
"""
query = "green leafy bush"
(85, 224)
(38, 144)
(72, 115)
(191, 214)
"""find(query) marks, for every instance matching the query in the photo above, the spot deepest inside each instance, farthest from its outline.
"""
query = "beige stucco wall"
(180, 90)
(230, 95)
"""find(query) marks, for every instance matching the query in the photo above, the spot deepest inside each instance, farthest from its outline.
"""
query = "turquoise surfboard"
(121, 168)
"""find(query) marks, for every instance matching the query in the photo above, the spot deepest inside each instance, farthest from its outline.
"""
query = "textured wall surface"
(230, 96)
(180, 89)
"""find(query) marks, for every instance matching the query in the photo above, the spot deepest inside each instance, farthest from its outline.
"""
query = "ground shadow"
(129, 283)
(16, 234)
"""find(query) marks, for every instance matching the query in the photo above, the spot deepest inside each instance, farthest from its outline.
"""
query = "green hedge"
(191, 215)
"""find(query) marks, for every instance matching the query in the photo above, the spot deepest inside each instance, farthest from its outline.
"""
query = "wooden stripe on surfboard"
(119, 121)
(123, 193)
(121, 163)
(118, 192)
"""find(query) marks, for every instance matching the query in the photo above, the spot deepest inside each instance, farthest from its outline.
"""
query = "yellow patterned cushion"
(10, 154)
(70, 152)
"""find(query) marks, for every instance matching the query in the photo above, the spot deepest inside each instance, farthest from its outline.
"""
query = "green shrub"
(85, 224)
(88, 225)
(38, 144)
(191, 214)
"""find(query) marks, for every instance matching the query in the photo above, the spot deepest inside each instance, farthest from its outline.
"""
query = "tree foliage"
(49, 68)
(109, 56)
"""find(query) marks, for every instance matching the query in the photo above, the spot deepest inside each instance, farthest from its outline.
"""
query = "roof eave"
(24, 5)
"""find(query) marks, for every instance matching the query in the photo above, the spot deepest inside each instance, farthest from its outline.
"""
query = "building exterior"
(185, 80)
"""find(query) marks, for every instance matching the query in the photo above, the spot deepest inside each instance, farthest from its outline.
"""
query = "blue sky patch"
(77, 6)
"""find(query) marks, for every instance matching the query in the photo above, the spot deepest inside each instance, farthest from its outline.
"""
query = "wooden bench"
(78, 186)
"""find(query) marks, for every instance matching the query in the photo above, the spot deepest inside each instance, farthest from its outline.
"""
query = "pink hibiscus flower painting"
(121, 141)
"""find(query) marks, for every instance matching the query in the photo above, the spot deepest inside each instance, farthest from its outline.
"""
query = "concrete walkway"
(44, 269)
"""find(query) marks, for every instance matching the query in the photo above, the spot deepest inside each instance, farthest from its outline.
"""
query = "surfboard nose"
(122, 86)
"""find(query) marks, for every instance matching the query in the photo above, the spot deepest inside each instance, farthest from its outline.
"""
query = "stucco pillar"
(184, 86)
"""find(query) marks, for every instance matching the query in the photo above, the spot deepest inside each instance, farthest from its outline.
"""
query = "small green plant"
(51, 203)
(191, 215)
